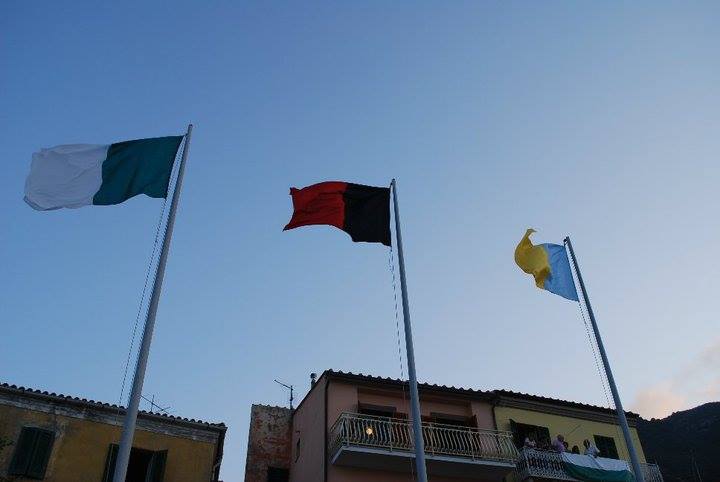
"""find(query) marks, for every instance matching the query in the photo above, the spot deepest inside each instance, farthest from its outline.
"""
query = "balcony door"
(521, 431)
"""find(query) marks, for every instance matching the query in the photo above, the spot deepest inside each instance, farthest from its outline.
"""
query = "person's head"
(560, 438)
(586, 443)
(576, 449)
(566, 444)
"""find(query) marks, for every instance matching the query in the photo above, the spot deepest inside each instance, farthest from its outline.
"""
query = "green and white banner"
(591, 469)
(75, 175)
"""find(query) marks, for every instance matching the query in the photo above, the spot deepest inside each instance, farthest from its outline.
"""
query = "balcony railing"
(394, 434)
(548, 465)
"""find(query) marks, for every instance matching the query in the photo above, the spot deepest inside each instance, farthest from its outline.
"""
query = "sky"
(591, 119)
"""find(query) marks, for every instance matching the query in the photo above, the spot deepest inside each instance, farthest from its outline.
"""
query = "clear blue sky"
(591, 119)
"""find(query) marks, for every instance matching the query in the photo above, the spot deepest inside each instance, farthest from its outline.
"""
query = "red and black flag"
(361, 211)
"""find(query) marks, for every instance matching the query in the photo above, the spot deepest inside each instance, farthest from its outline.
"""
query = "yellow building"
(56, 438)
(540, 420)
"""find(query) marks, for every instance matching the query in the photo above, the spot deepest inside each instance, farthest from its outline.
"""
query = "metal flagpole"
(414, 398)
(606, 364)
(128, 432)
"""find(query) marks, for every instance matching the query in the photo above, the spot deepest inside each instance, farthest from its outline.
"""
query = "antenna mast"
(289, 387)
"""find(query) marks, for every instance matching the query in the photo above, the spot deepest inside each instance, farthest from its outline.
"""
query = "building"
(353, 427)
(57, 438)
(543, 418)
(269, 442)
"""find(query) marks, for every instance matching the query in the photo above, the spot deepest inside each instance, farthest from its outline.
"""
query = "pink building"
(352, 428)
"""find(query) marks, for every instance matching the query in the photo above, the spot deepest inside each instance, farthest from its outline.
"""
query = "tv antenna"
(154, 405)
(289, 387)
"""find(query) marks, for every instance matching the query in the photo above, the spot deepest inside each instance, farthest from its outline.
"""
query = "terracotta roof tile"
(93, 403)
(470, 391)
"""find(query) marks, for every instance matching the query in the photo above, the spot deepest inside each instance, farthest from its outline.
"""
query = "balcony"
(539, 464)
(385, 443)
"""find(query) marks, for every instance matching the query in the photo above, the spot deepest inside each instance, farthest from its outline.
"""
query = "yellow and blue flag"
(549, 264)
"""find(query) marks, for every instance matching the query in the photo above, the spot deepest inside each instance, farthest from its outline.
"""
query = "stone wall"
(269, 441)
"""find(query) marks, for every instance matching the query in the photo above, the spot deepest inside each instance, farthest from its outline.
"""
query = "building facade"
(269, 444)
(352, 428)
(542, 419)
(58, 438)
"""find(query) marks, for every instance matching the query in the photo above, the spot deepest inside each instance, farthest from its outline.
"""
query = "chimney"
(313, 376)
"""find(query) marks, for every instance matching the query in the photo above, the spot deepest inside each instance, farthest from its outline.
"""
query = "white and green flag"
(75, 175)
(596, 469)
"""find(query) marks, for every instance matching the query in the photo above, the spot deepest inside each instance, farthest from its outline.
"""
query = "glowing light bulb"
(369, 431)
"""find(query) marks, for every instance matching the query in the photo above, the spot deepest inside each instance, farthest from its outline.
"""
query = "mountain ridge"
(685, 444)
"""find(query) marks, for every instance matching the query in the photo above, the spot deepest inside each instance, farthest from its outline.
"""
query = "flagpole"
(606, 364)
(410, 351)
(128, 432)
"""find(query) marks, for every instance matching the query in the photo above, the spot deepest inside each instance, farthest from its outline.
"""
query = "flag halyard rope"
(391, 265)
(142, 301)
(603, 379)
(159, 235)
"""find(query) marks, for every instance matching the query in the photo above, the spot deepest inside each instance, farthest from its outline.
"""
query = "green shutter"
(515, 434)
(23, 451)
(110, 463)
(32, 453)
(156, 470)
(41, 454)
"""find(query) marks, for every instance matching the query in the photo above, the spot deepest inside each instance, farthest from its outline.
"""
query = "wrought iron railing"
(540, 464)
(395, 434)
(544, 464)
(651, 473)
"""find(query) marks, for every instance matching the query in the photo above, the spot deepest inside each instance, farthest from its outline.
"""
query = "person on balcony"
(591, 449)
(576, 450)
(530, 442)
(558, 444)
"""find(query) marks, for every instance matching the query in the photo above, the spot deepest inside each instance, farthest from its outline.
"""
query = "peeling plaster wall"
(81, 446)
(268, 441)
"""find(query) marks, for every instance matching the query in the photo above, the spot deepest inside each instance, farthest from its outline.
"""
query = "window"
(456, 420)
(606, 446)
(376, 410)
(144, 465)
(276, 474)
(32, 453)
(522, 430)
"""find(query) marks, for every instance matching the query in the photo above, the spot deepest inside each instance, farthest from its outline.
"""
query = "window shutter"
(23, 451)
(156, 471)
(607, 447)
(516, 433)
(110, 463)
(41, 454)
